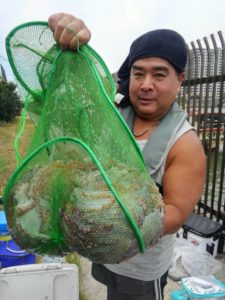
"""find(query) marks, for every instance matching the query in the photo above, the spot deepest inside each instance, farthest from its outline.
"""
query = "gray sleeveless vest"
(155, 150)
(157, 259)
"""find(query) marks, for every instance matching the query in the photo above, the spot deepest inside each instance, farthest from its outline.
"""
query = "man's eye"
(160, 75)
(138, 74)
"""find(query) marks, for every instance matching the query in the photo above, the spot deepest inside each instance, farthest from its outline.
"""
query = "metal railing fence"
(203, 97)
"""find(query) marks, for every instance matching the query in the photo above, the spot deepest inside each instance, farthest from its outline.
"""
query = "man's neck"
(143, 128)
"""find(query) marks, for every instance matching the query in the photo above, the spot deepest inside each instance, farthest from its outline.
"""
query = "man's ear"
(180, 77)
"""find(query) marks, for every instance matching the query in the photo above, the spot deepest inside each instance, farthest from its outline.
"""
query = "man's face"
(154, 85)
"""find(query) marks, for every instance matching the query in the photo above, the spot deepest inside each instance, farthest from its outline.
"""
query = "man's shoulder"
(188, 145)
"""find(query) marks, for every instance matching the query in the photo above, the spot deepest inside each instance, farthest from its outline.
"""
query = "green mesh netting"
(83, 185)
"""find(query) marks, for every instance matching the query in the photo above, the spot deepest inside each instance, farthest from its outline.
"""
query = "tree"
(10, 105)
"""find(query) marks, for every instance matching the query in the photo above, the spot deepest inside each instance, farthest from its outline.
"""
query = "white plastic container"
(40, 282)
(200, 242)
(202, 233)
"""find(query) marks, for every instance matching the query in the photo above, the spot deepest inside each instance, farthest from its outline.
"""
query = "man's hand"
(69, 31)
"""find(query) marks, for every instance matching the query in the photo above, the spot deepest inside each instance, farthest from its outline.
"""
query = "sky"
(115, 24)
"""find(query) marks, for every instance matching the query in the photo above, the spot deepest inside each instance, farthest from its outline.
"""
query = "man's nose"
(147, 83)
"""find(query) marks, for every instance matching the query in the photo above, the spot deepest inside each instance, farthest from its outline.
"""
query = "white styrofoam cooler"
(203, 233)
(203, 244)
(40, 282)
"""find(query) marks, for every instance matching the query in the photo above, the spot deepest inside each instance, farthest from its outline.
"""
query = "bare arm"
(183, 180)
(68, 29)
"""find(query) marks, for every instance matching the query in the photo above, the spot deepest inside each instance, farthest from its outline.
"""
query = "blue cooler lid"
(3, 222)
(179, 295)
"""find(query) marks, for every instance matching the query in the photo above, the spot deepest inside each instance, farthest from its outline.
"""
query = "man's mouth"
(144, 100)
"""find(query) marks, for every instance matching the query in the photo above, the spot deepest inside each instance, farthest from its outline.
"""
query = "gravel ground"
(92, 289)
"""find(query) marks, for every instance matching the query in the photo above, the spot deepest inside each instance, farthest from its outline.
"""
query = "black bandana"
(163, 43)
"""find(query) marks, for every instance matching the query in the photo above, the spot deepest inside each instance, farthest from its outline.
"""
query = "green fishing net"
(82, 185)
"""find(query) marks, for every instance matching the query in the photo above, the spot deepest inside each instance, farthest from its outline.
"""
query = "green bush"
(10, 105)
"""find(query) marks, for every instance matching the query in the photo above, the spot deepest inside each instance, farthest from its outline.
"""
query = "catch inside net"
(82, 185)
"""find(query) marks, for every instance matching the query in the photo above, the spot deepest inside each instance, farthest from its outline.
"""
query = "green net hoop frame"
(98, 164)
(35, 94)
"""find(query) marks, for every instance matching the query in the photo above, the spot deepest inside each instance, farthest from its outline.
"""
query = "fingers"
(54, 19)
(69, 31)
(79, 39)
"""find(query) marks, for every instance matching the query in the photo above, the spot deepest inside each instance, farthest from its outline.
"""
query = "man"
(150, 79)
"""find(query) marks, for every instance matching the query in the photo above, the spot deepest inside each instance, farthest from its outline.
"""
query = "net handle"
(84, 50)
(126, 212)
